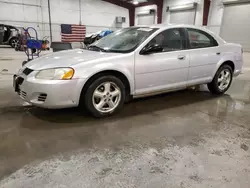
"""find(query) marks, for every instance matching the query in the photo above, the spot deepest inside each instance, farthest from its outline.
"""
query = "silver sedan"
(131, 62)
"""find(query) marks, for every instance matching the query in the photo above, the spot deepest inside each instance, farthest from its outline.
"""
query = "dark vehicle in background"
(9, 35)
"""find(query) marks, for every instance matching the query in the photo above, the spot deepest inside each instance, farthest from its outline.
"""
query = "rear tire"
(221, 81)
(104, 96)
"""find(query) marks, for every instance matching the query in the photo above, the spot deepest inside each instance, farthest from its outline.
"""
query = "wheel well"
(117, 74)
(12, 39)
(230, 63)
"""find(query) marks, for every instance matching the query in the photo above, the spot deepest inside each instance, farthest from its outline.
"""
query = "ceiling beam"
(149, 2)
(123, 4)
(206, 12)
(159, 11)
(131, 16)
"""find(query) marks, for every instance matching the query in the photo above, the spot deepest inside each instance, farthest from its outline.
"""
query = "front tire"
(13, 42)
(104, 96)
(221, 81)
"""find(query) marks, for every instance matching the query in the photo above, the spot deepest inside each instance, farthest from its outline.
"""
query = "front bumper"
(53, 94)
(237, 73)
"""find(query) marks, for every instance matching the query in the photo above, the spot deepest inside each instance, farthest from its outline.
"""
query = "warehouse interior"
(188, 138)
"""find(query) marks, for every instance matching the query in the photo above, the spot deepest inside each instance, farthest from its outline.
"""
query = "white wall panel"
(64, 16)
(15, 1)
(103, 16)
(96, 14)
(69, 5)
(11, 12)
(32, 14)
(45, 14)
(44, 3)
(31, 2)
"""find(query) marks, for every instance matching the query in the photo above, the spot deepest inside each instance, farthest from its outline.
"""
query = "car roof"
(168, 26)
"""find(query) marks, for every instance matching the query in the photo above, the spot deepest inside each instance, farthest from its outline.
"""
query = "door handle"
(218, 53)
(181, 57)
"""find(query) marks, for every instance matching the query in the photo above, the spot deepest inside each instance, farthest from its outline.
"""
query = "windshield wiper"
(94, 47)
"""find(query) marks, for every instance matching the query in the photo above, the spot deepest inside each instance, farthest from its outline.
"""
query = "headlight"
(56, 74)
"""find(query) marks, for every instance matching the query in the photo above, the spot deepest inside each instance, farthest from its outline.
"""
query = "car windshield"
(123, 41)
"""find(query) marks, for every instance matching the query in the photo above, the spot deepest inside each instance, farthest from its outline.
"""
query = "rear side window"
(200, 39)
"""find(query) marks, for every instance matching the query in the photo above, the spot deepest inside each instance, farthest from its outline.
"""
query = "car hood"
(67, 58)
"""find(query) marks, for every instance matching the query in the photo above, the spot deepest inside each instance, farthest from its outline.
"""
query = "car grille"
(21, 93)
(42, 97)
(27, 71)
(19, 81)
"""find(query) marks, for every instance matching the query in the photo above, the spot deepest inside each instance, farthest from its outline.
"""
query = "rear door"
(1, 33)
(204, 55)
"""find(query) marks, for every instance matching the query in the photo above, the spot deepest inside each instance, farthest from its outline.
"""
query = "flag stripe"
(78, 30)
(72, 34)
(78, 27)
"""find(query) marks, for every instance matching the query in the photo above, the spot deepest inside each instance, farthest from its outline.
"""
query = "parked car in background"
(9, 35)
(134, 61)
(91, 38)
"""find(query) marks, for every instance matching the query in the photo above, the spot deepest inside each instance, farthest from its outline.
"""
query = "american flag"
(72, 33)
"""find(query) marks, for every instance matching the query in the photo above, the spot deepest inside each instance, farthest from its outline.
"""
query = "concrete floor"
(177, 140)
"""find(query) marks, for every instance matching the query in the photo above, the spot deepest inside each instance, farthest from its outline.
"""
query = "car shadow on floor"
(74, 117)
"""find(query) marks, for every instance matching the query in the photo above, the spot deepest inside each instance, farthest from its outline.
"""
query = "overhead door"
(182, 14)
(146, 19)
(235, 25)
(182, 17)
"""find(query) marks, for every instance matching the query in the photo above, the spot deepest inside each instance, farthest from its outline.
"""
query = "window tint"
(200, 39)
(170, 40)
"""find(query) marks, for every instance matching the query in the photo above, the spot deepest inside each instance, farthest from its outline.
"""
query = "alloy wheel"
(224, 79)
(14, 42)
(106, 97)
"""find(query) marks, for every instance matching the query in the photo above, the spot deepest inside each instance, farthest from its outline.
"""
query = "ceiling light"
(135, 2)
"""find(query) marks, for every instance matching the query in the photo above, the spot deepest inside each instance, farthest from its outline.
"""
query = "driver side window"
(170, 40)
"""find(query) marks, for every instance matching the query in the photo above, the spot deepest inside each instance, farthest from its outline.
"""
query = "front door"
(163, 70)
(204, 56)
(1, 34)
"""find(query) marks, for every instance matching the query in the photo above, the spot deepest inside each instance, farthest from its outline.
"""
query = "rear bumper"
(52, 94)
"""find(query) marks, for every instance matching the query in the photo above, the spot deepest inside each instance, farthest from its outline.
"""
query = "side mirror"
(154, 48)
